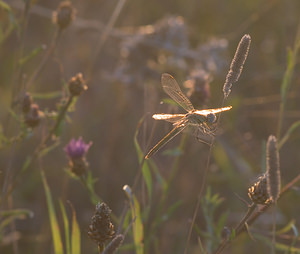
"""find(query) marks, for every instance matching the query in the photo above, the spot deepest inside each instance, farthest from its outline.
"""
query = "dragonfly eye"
(211, 118)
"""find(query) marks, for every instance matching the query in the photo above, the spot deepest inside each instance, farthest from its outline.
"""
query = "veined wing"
(172, 88)
(205, 112)
(176, 130)
(173, 118)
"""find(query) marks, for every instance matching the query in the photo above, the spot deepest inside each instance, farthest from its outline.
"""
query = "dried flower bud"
(112, 247)
(198, 88)
(101, 229)
(237, 64)
(77, 85)
(258, 192)
(33, 117)
(64, 14)
(273, 169)
(26, 103)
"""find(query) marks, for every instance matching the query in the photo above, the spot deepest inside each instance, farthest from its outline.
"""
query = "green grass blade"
(66, 227)
(57, 242)
(75, 237)
(138, 228)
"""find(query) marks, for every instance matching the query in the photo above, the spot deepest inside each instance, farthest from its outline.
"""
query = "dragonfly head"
(211, 118)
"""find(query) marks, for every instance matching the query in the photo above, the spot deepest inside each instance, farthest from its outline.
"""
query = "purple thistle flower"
(77, 149)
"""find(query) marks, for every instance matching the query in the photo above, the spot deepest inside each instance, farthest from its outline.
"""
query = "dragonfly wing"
(175, 131)
(205, 112)
(172, 88)
(173, 118)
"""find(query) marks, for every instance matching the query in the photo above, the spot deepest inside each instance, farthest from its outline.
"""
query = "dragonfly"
(199, 118)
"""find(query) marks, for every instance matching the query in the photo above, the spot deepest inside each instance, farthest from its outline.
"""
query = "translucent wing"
(173, 118)
(205, 112)
(176, 130)
(171, 87)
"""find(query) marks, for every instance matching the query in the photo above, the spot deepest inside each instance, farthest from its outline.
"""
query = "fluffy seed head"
(237, 64)
(273, 169)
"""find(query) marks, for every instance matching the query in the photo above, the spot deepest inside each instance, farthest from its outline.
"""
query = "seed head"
(258, 191)
(101, 229)
(64, 14)
(33, 117)
(77, 85)
(273, 169)
(237, 64)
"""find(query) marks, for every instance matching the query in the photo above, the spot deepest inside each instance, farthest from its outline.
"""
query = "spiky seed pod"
(64, 14)
(273, 169)
(101, 229)
(26, 102)
(258, 191)
(112, 247)
(33, 117)
(237, 64)
(77, 85)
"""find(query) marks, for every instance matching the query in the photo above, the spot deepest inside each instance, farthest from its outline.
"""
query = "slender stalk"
(203, 180)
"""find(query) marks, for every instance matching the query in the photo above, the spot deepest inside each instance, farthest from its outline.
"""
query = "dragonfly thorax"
(195, 119)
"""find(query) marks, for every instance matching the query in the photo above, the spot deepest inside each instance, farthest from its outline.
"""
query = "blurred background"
(192, 40)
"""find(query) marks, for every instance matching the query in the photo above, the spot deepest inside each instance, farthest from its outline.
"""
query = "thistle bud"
(77, 85)
(64, 14)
